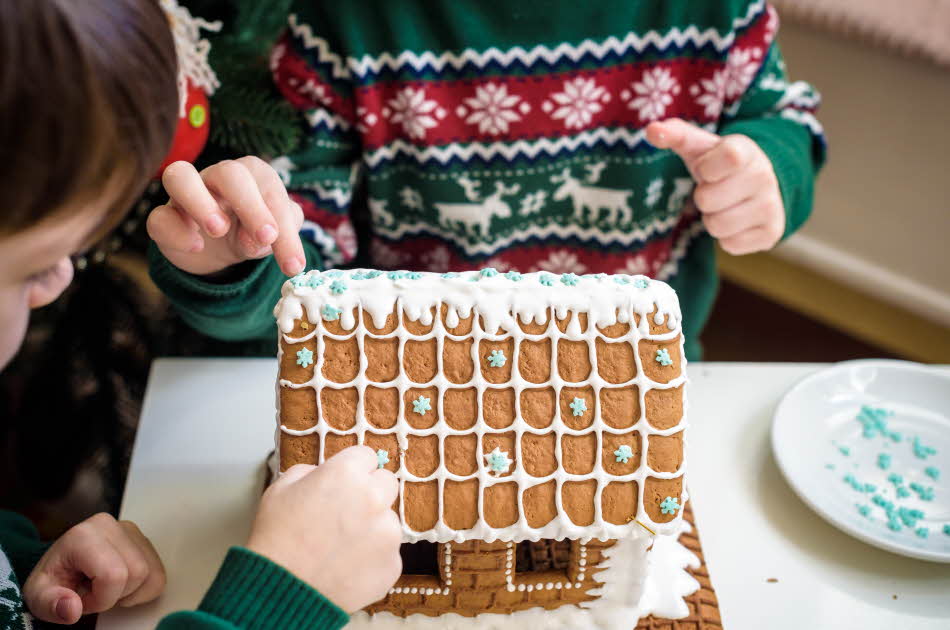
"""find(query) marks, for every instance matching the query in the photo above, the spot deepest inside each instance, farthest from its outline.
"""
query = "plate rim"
(828, 516)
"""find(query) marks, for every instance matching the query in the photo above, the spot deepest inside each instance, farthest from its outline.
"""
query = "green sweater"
(249, 591)
(455, 134)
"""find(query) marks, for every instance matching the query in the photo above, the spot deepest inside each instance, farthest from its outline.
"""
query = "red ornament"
(192, 132)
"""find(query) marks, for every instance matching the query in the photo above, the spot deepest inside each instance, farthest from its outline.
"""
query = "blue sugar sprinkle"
(922, 532)
(925, 494)
(932, 472)
(884, 461)
(921, 451)
(946, 529)
(874, 421)
(894, 524)
(895, 479)
(844, 450)
(830, 466)
(864, 510)
(902, 492)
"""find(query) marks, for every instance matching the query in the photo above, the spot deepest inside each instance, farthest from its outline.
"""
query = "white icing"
(637, 583)
(499, 301)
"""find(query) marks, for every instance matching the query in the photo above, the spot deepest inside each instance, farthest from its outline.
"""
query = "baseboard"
(842, 305)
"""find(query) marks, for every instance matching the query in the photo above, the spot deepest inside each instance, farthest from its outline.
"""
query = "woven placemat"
(703, 605)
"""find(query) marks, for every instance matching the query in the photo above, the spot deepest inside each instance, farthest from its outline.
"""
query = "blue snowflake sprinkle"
(448, 275)
(670, 505)
(304, 357)
(488, 272)
(299, 280)
(414, 275)
(895, 479)
(884, 461)
(909, 516)
(663, 357)
(396, 275)
(600, 276)
(932, 472)
(902, 492)
(922, 532)
(578, 406)
(546, 280)
(864, 510)
(570, 279)
(357, 275)
(621, 279)
(337, 287)
(641, 283)
(623, 454)
(333, 273)
(498, 461)
(421, 405)
(331, 313)
(315, 281)
(925, 494)
(375, 273)
(874, 421)
(921, 451)
(382, 458)
(497, 358)
(514, 276)
(946, 529)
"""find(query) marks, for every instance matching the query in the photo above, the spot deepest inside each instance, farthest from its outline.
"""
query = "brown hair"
(88, 98)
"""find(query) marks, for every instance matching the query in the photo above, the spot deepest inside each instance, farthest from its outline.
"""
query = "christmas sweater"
(249, 591)
(456, 134)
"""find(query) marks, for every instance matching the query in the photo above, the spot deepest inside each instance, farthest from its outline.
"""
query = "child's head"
(88, 107)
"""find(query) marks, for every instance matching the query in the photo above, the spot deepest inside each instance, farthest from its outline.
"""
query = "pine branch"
(250, 121)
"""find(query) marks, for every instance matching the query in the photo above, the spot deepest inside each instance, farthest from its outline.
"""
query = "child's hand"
(736, 189)
(333, 527)
(232, 211)
(95, 565)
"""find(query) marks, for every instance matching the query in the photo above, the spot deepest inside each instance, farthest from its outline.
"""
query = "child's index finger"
(232, 182)
(189, 194)
(685, 139)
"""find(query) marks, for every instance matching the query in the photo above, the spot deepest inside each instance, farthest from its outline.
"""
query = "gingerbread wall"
(475, 578)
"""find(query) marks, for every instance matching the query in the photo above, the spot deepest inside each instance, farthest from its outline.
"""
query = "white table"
(207, 425)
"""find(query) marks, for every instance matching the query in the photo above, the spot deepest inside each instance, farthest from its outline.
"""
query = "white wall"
(882, 216)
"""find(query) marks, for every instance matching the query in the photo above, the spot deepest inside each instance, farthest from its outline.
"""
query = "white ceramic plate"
(818, 441)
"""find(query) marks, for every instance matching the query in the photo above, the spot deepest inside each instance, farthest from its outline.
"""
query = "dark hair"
(88, 97)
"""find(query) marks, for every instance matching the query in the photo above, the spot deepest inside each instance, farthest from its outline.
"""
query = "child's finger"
(296, 473)
(685, 139)
(355, 460)
(172, 230)
(250, 248)
(719, 196)
(749, 241)
(288, 249)
(52, 602)
(725, 159)
(235, 185)
(154, 582)
(188, 191)
(105, 568)
(387, 487)
(747, 214)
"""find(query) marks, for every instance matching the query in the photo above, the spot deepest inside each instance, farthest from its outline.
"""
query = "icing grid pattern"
(439, 590)
(614, 302)
(567, 583)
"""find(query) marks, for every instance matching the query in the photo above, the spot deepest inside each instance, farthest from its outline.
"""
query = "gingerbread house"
(534, 421)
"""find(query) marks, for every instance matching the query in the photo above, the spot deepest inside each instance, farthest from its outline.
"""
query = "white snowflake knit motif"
(562, 261)
(411, 109)
(385, 256)
(711, 92)
(741, 66)
(652, 94)
(577, 104)
(492, 109)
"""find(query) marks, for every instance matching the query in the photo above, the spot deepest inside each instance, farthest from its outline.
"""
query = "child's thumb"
(55, 604)
(685, 139)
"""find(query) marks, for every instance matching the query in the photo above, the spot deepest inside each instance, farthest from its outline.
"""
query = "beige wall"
(882, 215)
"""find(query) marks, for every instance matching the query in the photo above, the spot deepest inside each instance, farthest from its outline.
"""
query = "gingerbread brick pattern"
(509, 409)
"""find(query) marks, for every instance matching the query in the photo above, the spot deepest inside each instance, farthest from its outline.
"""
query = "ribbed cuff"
(790, 148)
(164, 273)
(252, 592)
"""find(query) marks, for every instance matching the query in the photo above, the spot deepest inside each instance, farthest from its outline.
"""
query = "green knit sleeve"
(779, 115)
(21, 543)
(251, 592)
(236, 311)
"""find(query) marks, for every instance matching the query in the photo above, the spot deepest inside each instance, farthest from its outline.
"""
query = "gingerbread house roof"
(510, 406)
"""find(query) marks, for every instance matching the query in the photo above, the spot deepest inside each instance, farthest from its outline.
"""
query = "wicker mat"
(703, 605)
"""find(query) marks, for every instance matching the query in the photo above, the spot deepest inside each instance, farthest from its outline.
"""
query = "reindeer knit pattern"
(510, 135)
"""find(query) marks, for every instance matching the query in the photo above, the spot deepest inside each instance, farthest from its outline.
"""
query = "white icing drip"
(499, 301)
